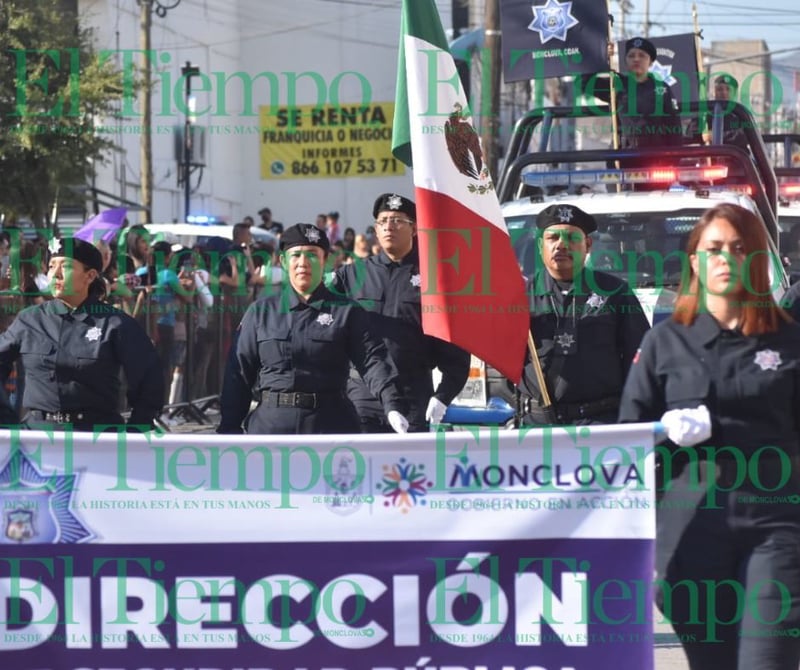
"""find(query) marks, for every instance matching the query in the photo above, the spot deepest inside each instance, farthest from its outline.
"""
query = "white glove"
(435, 412)
(687, 427)
(397, 421)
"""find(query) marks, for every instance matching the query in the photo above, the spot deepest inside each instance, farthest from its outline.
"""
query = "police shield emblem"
(767, 359)
(38, 508)
(553, 20)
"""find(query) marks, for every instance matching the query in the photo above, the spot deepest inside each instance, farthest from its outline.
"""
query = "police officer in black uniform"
(647, 112)
(73, 348)
(587, 326)
(388, 286)
(725, 89)
(728, 534)
(294, 350)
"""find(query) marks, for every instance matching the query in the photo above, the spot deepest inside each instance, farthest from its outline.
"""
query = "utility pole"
(490, 114)
(145, 139)
(188, 71)
(646, 26)
(146, 8)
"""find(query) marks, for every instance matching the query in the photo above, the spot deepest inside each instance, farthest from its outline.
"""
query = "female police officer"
(73, 347)
(725, 373)
(293, 353)
(647, 111)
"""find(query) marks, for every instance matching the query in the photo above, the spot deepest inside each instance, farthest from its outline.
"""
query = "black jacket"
(72, 361)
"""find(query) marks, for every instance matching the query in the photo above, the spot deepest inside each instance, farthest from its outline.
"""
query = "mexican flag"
(473, 293)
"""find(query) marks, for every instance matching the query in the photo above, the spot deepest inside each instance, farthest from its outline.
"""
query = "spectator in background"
(204, 329)
(137, 263)
(169, 293)
(268, 272)
(361, 248)
(249, 221)
(220, 321)
(337, 258)
(322, 219)
(267, 222)
(236, 272)
(5, 246)
(332, 227)
(349, 239)
(138, 248)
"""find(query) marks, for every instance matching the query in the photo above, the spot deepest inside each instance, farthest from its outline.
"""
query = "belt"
(566, 412)
(296, 399)
(58, 417)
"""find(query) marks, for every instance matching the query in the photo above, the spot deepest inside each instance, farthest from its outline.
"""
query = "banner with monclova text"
(498, 550)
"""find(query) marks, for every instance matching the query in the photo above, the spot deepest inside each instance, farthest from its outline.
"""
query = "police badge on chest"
(565, 341)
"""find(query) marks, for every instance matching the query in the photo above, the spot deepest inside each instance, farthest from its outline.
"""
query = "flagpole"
(701, 90)
(537, 369)
(612, 94)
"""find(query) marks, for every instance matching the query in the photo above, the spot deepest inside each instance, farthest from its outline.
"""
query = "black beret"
(641, 43)
(391, 202)
(566, 214)
(302, 234)
(726, 79)
(81, 251)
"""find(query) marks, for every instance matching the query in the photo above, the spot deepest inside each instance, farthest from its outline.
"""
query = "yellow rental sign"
(328, 141)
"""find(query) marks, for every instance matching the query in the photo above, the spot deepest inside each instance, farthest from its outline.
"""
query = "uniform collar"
(706, 327)
(316, 300)
(80, 313)
(411, 258)
(545, 283)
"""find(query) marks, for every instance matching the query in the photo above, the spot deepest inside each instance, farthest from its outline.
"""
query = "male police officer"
(388, 286)
(587, 326)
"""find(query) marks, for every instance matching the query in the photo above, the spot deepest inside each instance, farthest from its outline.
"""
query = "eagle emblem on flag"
(464, 147)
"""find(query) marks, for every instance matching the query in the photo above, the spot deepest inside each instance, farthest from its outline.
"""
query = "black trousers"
(372, 415)
(729, 571)
(331, 417)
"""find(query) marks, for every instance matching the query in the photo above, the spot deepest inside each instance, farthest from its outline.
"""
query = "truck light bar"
(790, 190)
(665, 175)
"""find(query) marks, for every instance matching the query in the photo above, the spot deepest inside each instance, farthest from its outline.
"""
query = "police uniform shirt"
(288, 345)
(586, 335)
(72, 359)
(653, 121)
(390, 291)
(751, 385)
(732, 132)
